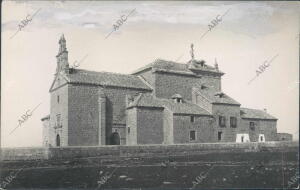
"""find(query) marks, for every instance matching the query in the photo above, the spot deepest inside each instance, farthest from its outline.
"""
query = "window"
(192, 135)
(242, 139)
(57, 99)
(252, 126)
(192, 119)
(128, 129)
(178, 100)
(219, 136)
(261, 138)
(233, 122)
(222, 121)
(203, 86)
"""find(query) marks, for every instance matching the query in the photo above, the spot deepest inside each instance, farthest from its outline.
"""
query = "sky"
(248, 35)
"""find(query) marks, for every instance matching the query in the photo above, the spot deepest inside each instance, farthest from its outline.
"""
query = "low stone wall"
(284, 137)
(142, 150)
(24, 153)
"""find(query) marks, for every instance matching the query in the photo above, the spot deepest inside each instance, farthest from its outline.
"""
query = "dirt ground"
(205, 171)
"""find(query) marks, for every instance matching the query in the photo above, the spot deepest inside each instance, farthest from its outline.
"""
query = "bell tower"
(62, 56)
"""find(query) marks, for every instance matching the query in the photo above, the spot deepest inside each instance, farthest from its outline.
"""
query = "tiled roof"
(148, 100)
(145, 100)
(255, 114)
(217, 97)
(176, 96)
(174, 66)
(106, 79)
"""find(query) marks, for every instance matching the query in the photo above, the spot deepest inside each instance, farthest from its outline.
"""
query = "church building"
(164, 102)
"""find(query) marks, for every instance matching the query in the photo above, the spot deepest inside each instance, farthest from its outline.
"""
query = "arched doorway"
(57, 140)
(115, 138)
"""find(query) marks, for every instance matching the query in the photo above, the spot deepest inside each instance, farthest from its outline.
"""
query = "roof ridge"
(253, 109)
(138, 98)
(144, 81)
(203, 96)
(198, 106)
(151, 64)
(115, 73)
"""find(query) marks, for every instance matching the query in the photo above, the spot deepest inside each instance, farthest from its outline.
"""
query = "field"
(217, 170)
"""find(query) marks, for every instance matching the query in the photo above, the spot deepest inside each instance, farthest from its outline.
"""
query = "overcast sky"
(248, 35)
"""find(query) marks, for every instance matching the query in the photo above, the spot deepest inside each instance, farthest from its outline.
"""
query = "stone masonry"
(163, 102)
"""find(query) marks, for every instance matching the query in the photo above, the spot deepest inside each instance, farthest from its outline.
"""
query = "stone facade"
(162, 103)
(46, 130)
(228, 132)
(204, 132)
(150, 126)
(284, 137)
(266, 127)
(59, 115)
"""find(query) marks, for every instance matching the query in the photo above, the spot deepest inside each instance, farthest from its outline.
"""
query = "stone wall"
(61, 108)
(142, 150)
(116, 107)
(131, 127)
(46, 131)
(24, 153)
(284, 137)
(168, 126)
(228, 133)
(149, 125)
(83, 115)
(182, 84)
(266, 127)
(202, 126)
